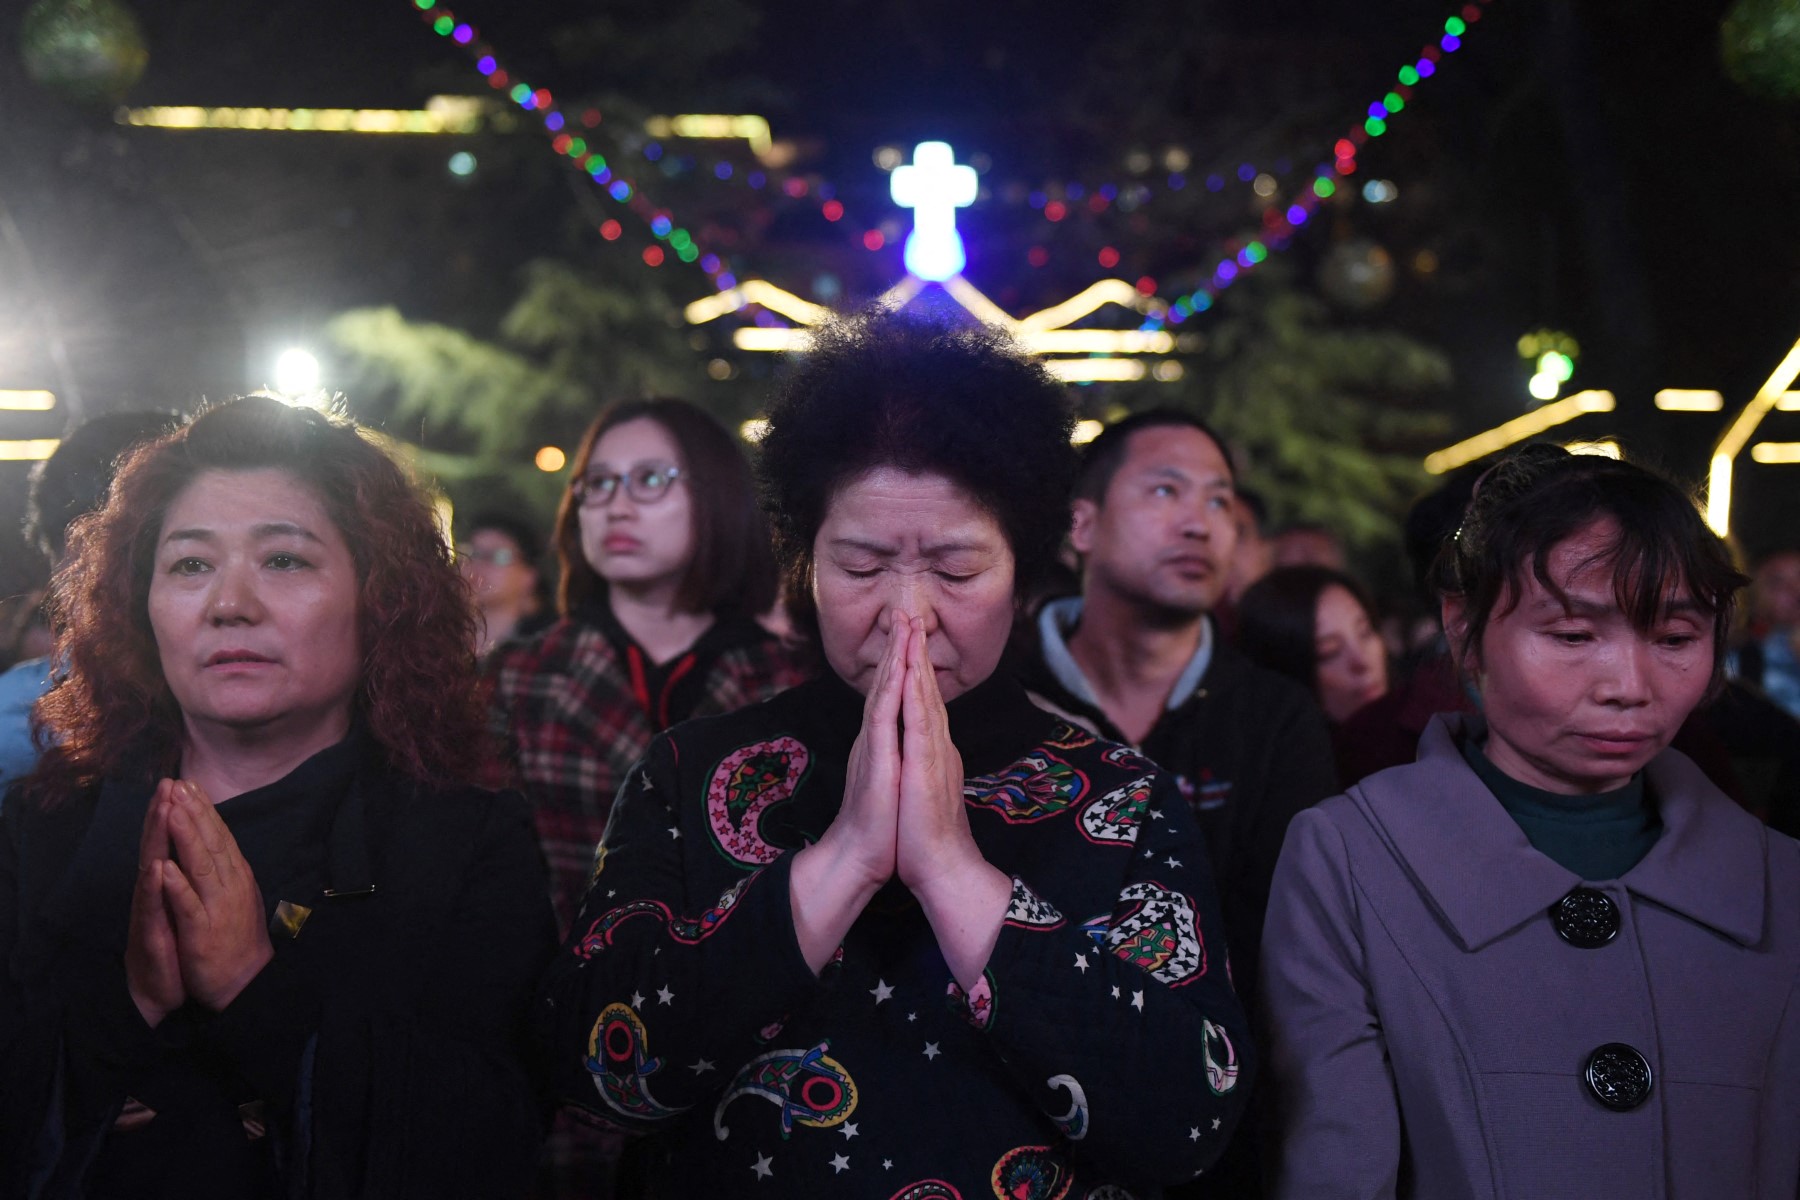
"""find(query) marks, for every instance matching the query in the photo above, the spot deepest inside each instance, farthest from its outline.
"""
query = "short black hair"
(1105, 454)
(1278, 619)
(882, 388)
(74, 480)
(1250, 503)
(1537, 497)
(524, 534)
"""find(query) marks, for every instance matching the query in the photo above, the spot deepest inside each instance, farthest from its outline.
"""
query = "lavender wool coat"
(1429, 1029)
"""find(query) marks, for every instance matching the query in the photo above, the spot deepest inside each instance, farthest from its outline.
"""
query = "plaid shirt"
(565, 703)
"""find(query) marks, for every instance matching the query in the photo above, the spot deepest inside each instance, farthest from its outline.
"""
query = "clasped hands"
(198, 931)
(903, 813)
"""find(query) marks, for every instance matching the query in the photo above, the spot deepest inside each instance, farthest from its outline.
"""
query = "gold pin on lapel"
(289, 917)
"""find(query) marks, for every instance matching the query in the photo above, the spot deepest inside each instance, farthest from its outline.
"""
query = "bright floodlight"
(296, 371)
(934, 187)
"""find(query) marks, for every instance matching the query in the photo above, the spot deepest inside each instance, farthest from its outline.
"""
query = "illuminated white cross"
(934, 186)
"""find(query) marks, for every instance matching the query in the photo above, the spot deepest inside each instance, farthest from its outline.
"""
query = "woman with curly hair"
(261, 933)
(897, 931)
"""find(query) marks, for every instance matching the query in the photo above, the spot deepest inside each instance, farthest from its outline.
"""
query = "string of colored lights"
(1280, 226)
(568, 142)
(1241, 257)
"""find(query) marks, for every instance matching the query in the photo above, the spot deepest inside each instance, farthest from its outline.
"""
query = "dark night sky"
(1701, 287)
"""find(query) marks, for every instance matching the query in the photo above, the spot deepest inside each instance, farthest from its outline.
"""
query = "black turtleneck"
(1599, 836)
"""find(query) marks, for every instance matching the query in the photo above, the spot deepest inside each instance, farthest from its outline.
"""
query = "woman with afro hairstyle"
(897, 931)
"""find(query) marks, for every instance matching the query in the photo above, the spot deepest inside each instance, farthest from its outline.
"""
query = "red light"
(611, 229)
(832, 209)
(1146, 286)
(1056, 210)
(1037, 256)
(1109, 258)
(1346, 166)
(1097, 203)
(591, 117)
(561, 143)
(1471, 14)
(1272, 218)
(794, 187)
(653, 255)
(542, 97)
(497, 79)
(873, 240)
(1344, 148)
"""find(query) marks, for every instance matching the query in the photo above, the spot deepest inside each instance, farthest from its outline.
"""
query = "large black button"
(1618, 1076)
(1586, 918)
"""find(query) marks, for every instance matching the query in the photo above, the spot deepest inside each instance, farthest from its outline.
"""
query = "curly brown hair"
(111, 705)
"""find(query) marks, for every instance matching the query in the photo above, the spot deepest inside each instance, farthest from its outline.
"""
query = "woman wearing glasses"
(666, 564)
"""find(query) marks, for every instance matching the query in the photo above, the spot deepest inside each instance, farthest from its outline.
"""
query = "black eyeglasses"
(645, 484)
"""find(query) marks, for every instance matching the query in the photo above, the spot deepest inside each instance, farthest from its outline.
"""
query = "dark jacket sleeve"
(662, 988)
(1302, 771)
(72, 1043)
(1130, 1038)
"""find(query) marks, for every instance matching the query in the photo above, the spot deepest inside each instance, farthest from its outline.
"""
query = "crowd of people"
(813, 840)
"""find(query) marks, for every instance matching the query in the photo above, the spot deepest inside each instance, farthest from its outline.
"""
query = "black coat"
(384, 1041)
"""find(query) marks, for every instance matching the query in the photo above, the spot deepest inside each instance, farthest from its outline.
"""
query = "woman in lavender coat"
(1548, 959)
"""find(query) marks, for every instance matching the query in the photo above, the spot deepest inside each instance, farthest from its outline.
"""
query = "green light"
(681, 240)
(443, 26)
(1455, 27)
(577, 148)
(1323, 188)
(1408, 76)
(1558, 366)
(1393, 102)
(519, 92)
(425, 5)
(1375, 126)
(1256, 252)
(687, 253)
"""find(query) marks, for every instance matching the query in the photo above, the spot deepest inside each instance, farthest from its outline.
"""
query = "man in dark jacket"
(1136, 658)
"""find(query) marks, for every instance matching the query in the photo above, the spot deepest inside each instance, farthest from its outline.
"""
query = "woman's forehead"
(914, 506)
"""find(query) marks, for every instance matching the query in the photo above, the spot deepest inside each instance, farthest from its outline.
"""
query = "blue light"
(1426, 68)
(1450, 43)
(553, 122)
(1246, 173)
(1072, 191)
(722, 170)
(727, 279)
(1378, 111)
(653, 151)
(486, 64)
(660, 226)
(1214, 183)
(1177, 182)
(1227, 271)
(1038, 199)
(934, 186)
(620, 190)
(1296, 215)
(757, 179)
